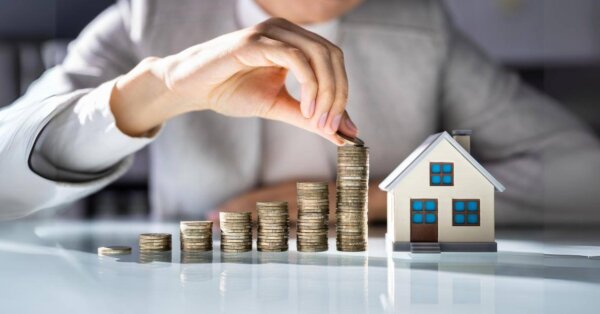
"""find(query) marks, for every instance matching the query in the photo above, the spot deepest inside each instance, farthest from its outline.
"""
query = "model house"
(441, 199)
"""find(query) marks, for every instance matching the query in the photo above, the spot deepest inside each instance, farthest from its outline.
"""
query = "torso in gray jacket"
(410, 75)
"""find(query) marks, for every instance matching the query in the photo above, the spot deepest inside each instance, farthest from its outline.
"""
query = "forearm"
(104, 126)
(141, 100)
(81, 142)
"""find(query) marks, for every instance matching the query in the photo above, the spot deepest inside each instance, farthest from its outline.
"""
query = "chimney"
(463, 137)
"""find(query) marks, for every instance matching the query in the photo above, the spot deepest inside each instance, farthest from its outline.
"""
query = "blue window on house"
(417, 205)
(441, 174)
(472, 215)
(473, 206)
(417, 218)
(473, 219)
(430, 218)
(447, 180)
(447, 168)
(423, 211)
(430, 205)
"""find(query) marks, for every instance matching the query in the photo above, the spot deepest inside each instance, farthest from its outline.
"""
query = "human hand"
(242, 74)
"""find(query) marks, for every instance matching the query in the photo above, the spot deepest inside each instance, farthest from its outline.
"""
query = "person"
(195, 77)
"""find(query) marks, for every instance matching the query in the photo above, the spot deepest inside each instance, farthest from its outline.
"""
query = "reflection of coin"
(266, 250)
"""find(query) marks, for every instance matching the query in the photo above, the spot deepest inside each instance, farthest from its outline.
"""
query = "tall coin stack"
(313, 216)
(273, 221)
(352, 198)
(196, 236)
(155, 242)
(236, 232)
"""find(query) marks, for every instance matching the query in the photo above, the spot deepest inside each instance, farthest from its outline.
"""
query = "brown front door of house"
(423, 220)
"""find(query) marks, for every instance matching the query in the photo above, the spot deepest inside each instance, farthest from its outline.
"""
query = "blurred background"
(554, 45)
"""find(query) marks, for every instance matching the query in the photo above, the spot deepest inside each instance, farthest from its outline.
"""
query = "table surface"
(52, 267)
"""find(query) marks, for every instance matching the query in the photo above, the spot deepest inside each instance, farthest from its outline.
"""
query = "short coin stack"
(352, 198)
(196, 236)
(236, 231)
(114, 250)
(313, 216)
(155, 242)
(273, 221)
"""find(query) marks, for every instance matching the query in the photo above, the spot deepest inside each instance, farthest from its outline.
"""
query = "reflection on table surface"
(52, 266)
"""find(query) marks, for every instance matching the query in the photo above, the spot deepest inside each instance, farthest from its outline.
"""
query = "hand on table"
(241, 74)
(247, 202)
(287, 192)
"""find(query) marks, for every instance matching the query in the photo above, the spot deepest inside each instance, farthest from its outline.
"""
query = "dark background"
(554, 45)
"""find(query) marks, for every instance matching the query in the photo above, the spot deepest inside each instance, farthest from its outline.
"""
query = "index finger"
(286, 110)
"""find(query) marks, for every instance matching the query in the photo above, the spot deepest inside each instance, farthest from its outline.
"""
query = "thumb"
(287, 109)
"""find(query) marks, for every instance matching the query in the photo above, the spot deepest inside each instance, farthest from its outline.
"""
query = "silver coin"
(114, 250)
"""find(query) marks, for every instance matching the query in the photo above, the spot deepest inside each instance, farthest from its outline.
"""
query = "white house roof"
(418, 154)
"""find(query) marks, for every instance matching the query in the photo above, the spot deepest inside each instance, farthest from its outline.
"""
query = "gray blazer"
(411, 74)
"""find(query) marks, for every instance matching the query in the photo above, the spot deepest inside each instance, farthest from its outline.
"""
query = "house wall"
(468, 183)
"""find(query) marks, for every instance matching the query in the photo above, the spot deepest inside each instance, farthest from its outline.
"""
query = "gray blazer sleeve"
(29, 181)
(548, 160)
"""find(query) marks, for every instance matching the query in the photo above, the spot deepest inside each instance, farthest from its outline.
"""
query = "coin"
(313, 216)
(156, 242)
(155, 236)
(348, 140)
(196, 236)
(236, 231)
(273, 226)
(114, 250)
(352, 186)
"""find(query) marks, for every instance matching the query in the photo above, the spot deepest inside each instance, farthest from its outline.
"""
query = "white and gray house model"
(441, 199)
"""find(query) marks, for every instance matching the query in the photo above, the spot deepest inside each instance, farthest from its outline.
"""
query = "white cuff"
(83, 142)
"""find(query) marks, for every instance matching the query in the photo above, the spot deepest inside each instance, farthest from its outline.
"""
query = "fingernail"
(323, 120)
(351, 125)
(335, 123)
(311, 109)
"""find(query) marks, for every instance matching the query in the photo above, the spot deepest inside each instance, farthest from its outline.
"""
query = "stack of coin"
(155, 242)
(236, 231)
(313, 216)
(196, 236)
(273, 221)
(352, 198)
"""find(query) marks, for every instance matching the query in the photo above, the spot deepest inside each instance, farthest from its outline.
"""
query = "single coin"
(355, 141)
(114, 250)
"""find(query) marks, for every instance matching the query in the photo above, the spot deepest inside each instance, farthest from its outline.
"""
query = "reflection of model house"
(440, 198)
(451, 283)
